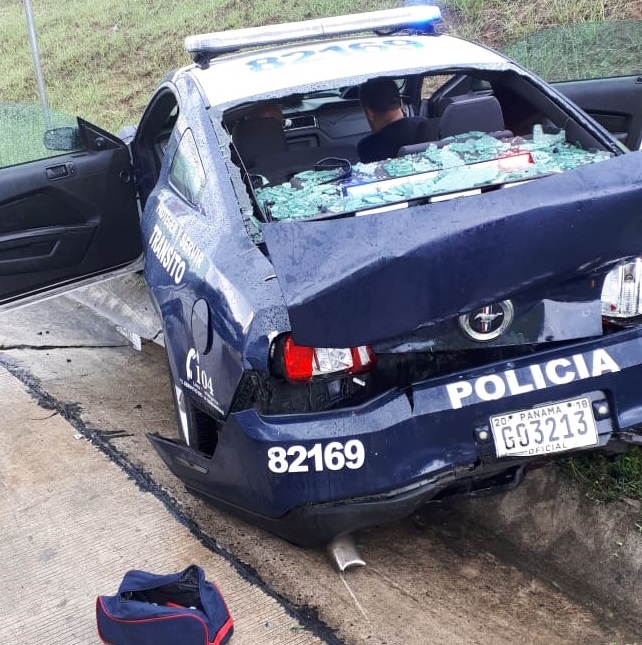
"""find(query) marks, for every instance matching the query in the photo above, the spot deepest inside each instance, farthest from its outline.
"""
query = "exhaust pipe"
(344, 553)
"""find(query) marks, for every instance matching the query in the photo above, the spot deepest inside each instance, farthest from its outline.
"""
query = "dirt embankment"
(590, 550)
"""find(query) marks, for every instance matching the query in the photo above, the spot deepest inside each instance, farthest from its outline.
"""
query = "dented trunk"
(374, 278)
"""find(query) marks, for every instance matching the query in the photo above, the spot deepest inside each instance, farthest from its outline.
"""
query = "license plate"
(546, 429)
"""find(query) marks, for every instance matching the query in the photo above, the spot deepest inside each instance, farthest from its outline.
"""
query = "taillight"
(300, 363)
(622, 291)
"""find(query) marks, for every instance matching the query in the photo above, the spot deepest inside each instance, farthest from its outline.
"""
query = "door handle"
(60, 171)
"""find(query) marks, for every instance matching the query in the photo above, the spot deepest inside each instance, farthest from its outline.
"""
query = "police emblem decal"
(489, 322)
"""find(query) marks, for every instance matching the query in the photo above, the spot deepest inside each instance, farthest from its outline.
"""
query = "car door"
(68, 209)
(597, 65)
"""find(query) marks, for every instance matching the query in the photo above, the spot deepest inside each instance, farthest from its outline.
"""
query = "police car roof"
(322, 64)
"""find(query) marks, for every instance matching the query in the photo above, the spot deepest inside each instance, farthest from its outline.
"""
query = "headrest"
(471, 113)
(257, 137)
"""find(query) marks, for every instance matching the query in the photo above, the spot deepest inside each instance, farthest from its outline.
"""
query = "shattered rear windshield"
(460, 165)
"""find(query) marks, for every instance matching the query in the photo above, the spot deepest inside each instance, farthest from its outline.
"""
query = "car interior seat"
(468, 113)
(428, 130)
(257, 137)
(471, 113)
(262, 146)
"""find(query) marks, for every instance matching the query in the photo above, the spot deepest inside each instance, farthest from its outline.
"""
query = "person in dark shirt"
(391, 128)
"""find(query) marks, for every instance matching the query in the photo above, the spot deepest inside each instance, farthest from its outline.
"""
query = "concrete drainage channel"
(588, 548)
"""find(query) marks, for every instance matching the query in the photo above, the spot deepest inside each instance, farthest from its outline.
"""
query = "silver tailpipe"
(344, 553)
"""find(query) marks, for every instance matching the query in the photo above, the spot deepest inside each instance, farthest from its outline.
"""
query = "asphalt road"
(434, 580)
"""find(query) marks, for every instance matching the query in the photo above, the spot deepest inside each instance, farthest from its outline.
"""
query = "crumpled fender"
(357, 280)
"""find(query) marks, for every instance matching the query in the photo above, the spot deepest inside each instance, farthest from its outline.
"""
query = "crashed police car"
(349, 341)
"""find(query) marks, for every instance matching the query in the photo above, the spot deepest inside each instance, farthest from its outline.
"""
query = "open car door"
(65, 219)
(597, 65)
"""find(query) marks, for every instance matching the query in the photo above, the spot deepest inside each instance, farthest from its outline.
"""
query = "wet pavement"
(72, 523)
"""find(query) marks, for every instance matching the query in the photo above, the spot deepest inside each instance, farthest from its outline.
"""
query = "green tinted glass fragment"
(473, 160)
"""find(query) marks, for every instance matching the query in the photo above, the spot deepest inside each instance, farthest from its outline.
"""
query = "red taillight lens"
(297, 361)
(303, 363)
(363, 359)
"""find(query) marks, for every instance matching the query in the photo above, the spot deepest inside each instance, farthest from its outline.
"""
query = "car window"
(187, 175)
(582, 51)
(27, 133)
(432, 83)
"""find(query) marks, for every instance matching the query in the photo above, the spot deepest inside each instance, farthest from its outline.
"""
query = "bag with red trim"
(151, 609)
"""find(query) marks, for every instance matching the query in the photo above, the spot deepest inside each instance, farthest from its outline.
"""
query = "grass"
(102, 60)
(606, 480)
(498, 22)
(590, 50)
(120, 50)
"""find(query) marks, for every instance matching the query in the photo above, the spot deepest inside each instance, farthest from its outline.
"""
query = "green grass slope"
(103, 59)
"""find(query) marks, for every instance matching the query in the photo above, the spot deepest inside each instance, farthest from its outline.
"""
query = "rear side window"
(187, 175)
(582, 51)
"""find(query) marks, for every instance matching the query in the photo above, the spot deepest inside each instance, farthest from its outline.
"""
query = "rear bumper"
(309, 477)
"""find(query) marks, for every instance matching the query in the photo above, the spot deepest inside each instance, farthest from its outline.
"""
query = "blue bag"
(151, 609)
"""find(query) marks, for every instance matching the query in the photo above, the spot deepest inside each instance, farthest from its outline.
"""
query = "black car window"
(28, 133)
(187, 175)
(581, 51)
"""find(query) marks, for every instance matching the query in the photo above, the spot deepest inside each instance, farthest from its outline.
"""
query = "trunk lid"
(357, 280)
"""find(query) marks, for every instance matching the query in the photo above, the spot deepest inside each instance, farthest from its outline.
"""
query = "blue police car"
(349, 341)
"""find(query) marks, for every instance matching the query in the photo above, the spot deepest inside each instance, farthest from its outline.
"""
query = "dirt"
(593, 550)
(436, 578)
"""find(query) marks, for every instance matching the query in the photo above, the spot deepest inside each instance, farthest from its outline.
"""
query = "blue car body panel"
(415, 445)
(366, 279)
(224, 270)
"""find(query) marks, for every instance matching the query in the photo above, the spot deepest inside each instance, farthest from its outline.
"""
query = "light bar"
(420, 18)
